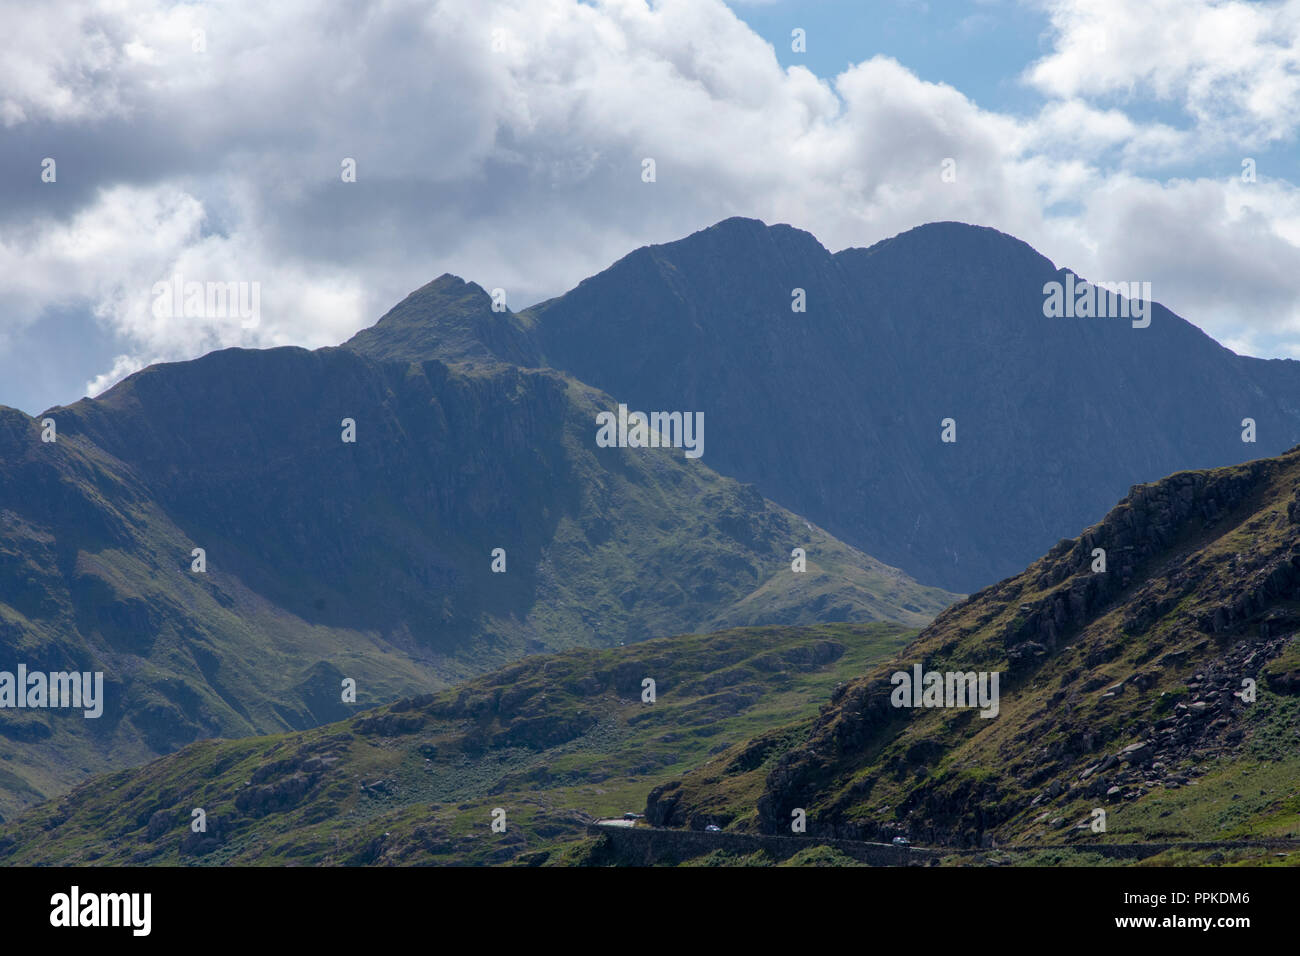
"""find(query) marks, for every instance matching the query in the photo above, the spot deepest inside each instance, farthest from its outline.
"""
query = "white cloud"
(1234, 67)
(503, 141)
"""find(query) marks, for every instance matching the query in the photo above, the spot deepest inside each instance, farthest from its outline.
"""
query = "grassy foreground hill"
(555, 741)
(1164, 690)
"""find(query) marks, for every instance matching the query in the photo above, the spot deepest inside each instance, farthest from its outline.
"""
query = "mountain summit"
(836, 411)
(450, 318)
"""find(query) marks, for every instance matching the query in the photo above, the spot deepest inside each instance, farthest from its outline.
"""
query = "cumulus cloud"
(1234, 67)
(504, 141)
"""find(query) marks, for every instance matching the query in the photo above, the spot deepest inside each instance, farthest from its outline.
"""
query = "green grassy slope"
(369, 560)
(1120, 690)
(555, 741)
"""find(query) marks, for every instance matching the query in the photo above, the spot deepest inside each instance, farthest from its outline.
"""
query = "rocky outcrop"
(1115, 683)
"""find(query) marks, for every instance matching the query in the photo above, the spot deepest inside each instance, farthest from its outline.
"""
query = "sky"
(504, 141)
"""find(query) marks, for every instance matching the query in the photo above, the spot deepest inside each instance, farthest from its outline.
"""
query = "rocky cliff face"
(1171, 668)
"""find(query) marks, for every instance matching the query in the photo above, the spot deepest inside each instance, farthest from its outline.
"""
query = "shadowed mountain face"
(1162, 690)
(836, 411)
(370, 560)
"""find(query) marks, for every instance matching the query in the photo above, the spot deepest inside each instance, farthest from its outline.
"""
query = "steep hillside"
(1126, 690)
(835, 411)
(554, 741)
(370, 560)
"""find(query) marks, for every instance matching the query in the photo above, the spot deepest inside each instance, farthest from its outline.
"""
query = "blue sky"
(981, 49)
(978, 48)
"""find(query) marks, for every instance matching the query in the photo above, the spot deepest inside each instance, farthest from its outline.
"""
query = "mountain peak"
(736, 223)
(450, 318)
(745, 229)
(950, 238)
(449, 283)
(444, 291)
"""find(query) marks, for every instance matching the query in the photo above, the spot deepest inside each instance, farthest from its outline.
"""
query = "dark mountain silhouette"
(835, 412)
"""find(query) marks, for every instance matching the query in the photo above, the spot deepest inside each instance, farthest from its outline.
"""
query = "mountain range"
(1161, 691)
(325, 560)
(836, 411)
(474, 519)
